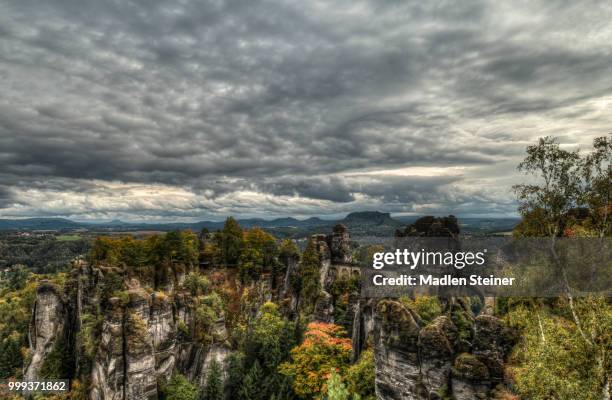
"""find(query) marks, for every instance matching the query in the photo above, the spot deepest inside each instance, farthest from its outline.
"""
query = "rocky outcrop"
(324, 252)
(124, 367)
(109, 370)
(334, 252)
(470, 378)
(492, 341)
(162, 330)
(291, 263)
(340, 245)
(139, 342)
(324, 308)
(363, 325)
(47, 327)
(396, 352)
(437, 360)
(430, 226)
(139, 356)
(437, 347)
(194, 359)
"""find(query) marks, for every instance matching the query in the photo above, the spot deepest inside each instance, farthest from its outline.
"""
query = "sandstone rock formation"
(340, 245)
(139, 343)
(48, 324)
(436, 360)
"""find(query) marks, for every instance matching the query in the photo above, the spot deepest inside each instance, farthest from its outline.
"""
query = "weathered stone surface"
(141, 380)
(396, 332)
(324, 308)
(429, 362)
(492, 341)
(470, 378)
(363, 326)
(48, 322)
(291, 262)
(340, 245)
(436, 346)
(193, 359)
(322, 248)
(108, 372)
(125, 364)
(163, 334)
(437, 339)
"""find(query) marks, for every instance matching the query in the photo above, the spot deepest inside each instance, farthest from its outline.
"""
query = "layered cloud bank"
(189, 109)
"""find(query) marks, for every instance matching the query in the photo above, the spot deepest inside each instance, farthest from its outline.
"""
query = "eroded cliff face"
(340, 245)
(134, 349)
(418, 361)
(48, 325)
(334, 255)
(193, 359)
(108, 375)
(139, 342)
(140, 346)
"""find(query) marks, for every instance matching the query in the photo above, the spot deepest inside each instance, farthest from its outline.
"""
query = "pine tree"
(179, 388)
(235, 374)
(308, 280)
(214, 383)
(250, 389)
(230, 242)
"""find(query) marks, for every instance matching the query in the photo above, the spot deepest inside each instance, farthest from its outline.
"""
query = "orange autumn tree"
(325, 348)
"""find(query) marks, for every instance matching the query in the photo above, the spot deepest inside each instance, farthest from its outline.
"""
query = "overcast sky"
(190, 109)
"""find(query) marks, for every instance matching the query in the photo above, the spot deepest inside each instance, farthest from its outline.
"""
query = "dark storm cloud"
(6, 197)
(226, 106)
(332, 189)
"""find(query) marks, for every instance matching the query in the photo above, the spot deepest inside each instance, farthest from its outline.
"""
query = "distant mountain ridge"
(38, 224)
(360, 223)
(63, 223)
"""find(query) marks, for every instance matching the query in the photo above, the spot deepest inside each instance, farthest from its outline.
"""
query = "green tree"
(179, 388)
(235, 374)
(360, 377)
(197, 284)
(552, 361)
(251, 384)
(15, 316)
(17, 277)
(259, 254)
(230, 241)
(271, 338)
(308, 280)
(557, 193)
(288, 248)
(597, 188)
(336, 390)
(214, 384)
(10, 355)
(267, 342)
(181, 248)
(208, 309)
(573, 338)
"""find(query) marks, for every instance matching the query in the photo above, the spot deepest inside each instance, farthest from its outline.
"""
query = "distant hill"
(363, 223)
(61, 224)
(370, 218)
(52, 224)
